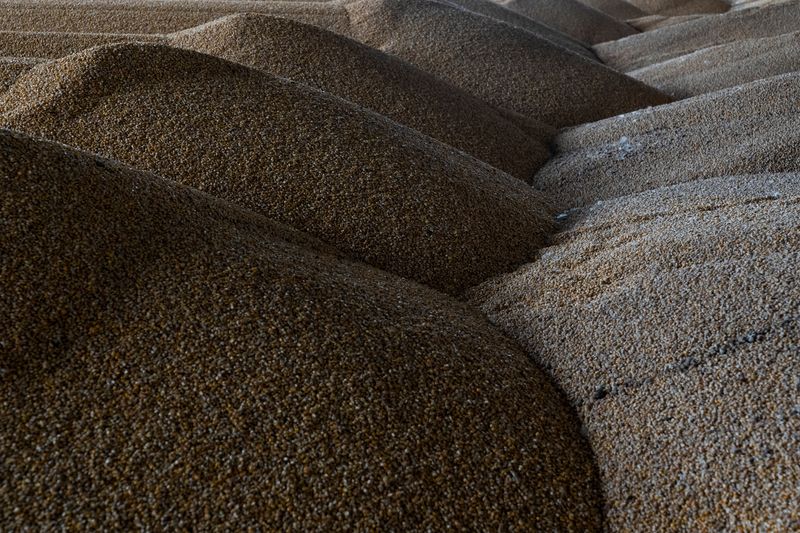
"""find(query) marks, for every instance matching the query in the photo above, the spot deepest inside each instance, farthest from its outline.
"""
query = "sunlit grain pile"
(745, 129)
(400, 265)
(672, 320)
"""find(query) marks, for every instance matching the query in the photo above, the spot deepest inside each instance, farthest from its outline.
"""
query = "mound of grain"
(672, 320)
(748, 129)
(489, 8)
(504, 65)
(724, 66)
(151, 16)
(619, 9)
(682, 7)
(54, 44)
(12, 67)
(572, 18)
(652, 47)
(375, 81)
(379, 191)
(172, 361)
(654, 22)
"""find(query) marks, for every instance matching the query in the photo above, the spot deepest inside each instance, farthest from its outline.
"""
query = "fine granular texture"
(382, 193)
(723, 66)
(619, 9)
(682, 7)
(499, 63)
(170, 361)
(745, 129)
(52, 45)
(672, 320)
(573, 18)
(373, 80)
(12, 67)
(652, 47)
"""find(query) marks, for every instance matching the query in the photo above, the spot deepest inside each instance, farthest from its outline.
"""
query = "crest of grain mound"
(672, 320)
(747, 129)
(502, 64)
(374, 80)
(572, 18)
(381, 192)
(174, 361)
(723, 66)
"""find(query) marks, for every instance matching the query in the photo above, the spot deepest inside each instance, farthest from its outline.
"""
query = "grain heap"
(652, 47)
(376, 81)
(380, 192)
(746, 129)
(672, 320)
(501, 64)
(573, 18)
(172, 361)
(723, 66)
(251, 289)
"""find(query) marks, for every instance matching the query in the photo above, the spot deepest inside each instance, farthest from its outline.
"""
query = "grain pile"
(652, 47)
(672, 320)
(747, 129)
(572, 18)
(380, 192)
(682, 7)
(723, 66)
(53, 45)
(373, 80)
(501, 64)
(619, 9)
(171, 361)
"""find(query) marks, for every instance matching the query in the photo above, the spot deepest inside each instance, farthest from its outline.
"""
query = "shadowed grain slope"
(747, 129)
(672, 320)
(171, 361)
(619, 9)
(572, 18)
(727, 65)
(505, 66)
(12, 67)
(489, 8)
(662, 44)
(373, 80)
(377, 190)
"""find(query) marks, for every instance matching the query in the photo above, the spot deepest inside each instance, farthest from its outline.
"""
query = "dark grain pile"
(376, 81)
(170, 361)
(382, 193)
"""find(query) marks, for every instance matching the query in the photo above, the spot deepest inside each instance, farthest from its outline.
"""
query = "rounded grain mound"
(572, 18)
(682, 7)
(373, 80)
(747, 129)
(171, 361)
(52, 45)
(672, 320)
(380, 192)
(723, 66)
(504, 65)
